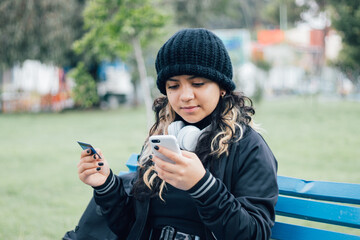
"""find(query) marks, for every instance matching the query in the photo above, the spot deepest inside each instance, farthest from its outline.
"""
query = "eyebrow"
(189, 78)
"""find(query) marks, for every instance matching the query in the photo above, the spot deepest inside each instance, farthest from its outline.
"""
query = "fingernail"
(150, 157)
(94, 156)
(156, 147)
(98, 168)
(101, 164)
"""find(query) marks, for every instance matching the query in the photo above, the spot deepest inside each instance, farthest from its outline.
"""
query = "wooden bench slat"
(342, 215)
(294, 232)
(331, 191)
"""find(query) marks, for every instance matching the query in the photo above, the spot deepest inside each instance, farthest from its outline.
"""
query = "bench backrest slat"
(329, 191)
(295, 232)
(325, 212)
(327, 202)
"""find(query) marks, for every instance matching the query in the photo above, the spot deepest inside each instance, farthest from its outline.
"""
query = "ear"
(222, 93)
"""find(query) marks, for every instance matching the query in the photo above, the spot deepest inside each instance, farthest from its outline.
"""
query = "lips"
(189, 108)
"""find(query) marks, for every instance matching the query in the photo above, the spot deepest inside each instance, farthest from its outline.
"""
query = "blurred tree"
(285, 13)
(84, 93)
(345, 16)
(43, 30)
(115, 28)
(346, 20)
(218, 13)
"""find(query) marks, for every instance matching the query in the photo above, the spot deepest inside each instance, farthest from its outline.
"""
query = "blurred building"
(238, 44)
(115, 85)
(34, 87)
(293, 62)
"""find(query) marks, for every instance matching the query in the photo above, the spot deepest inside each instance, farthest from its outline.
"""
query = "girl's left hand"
(184, 174)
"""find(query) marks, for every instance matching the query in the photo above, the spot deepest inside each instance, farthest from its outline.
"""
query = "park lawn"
(42, 197)
(313, 139)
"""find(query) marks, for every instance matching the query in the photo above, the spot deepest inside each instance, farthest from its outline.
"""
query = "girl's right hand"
(91, 169)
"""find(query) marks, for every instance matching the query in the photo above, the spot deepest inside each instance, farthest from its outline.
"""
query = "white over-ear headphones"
(187, 136)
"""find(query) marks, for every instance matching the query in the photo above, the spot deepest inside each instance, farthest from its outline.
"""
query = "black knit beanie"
(194, 51)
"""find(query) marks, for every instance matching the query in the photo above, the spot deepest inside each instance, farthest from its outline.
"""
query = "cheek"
(171, 98)
(213, 103)
(211, 100)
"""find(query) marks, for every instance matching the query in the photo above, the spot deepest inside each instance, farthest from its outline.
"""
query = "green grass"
(42, 197)
(313, 139)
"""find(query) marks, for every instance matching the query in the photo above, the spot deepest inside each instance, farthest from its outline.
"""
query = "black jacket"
(239, 204)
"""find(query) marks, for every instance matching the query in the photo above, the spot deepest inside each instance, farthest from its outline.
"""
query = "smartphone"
(88, 146)
(167, 141)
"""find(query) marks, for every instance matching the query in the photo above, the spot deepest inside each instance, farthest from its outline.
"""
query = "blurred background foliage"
(66, 32)
(84, 92)
(44, 30)
(116, 28)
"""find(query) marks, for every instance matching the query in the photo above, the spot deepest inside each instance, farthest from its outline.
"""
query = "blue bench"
(326, 202)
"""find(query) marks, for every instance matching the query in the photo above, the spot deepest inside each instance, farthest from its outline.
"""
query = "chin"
(192, 119)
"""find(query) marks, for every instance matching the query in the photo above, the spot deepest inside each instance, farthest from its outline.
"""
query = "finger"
(86, 152)
(164, 165)
(83, 175)
(163, 173)
(188, 154)
(172, 178)
(89, 159)
(99, 153)
(86, 166)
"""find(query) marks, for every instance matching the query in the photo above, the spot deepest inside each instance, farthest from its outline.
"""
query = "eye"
(198, 84)
(175, 86)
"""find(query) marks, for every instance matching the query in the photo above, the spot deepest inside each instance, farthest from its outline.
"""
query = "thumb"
(99, 152)
(188, 154)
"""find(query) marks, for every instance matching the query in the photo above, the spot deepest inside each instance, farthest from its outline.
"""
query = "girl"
(222, 186)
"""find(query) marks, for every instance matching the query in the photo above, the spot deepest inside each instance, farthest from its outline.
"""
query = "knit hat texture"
(194, 51)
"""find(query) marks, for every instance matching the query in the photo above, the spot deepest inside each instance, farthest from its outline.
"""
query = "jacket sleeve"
(116, 204)
(244, 210)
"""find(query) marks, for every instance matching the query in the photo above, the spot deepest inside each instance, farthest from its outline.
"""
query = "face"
(193, 98)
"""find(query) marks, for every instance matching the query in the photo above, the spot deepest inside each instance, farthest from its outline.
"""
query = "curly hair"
(233, 112)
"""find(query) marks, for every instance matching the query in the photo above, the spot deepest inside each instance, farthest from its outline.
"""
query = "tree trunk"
(143, 80)
(2, 70)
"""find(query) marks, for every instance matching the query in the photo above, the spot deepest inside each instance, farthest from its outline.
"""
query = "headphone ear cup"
(188, 137)
(175, 127)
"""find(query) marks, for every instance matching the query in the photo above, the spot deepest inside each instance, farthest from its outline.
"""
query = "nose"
(187, 94)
